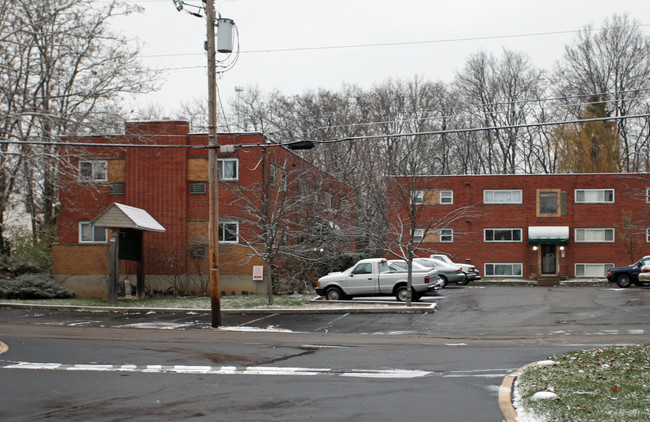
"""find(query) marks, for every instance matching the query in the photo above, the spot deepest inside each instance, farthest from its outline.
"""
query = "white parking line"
(224, 370)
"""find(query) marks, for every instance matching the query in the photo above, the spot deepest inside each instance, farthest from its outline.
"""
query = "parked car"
(628, 275)
(448, 273)
(373, 277)
(471, 272)
(399, 265)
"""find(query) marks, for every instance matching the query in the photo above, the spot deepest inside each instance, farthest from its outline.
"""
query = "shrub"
(33, 286)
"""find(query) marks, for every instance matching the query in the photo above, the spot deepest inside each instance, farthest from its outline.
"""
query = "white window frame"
(82, 224)
(417, 197)
(222, 233)
(593, 231)
(445, 233)
(511, 264)
(647, 195)
(647, 235)
(512, 231)
(97, 167)
(516, 196)
(591, 201)
(446, 197)
(604, 267)
(220, 167)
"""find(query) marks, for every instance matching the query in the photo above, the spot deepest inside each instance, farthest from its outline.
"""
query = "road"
(447, 365)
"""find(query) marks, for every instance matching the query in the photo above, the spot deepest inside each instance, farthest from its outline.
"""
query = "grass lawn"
(607, 384)
(227, 302)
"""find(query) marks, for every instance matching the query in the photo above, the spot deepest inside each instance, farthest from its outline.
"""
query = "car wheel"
(334, 293)
(444, 280)
(401, 294)
(624, 281)
(464, 281)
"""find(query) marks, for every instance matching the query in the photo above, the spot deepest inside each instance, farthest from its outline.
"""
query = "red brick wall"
(469, 244)
(157, 180)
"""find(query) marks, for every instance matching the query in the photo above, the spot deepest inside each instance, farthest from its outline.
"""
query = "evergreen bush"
(33, 286)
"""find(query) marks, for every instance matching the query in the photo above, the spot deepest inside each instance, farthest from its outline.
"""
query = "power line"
(331, 141)
(398, 43)
(495, 111)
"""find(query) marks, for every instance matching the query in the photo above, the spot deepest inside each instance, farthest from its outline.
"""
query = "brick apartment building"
(564, 225)
(171, 184)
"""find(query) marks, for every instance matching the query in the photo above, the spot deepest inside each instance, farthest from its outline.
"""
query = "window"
(91, 234)
(647, 195)
(328, 200)
(432, 197)
(434, 236)
(197, 188)
(594, 196)
(228, 232)
(503, 269)
(93, 171)
(278, 177)
(502, 235)
(446, 196)
(116, 189)
(446, 235)
(365, 268)
(551, 203)
(592, 270)
(227, 169)
(417, 197)
(594, 235)
(647, 235)
(303, 188)
(502, 196)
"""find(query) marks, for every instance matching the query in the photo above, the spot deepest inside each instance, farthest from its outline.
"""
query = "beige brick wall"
(80, 259)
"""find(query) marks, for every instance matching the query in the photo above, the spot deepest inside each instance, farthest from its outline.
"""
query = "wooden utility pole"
(213, 178)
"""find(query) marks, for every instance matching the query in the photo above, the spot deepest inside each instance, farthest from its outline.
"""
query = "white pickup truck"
(374, 277)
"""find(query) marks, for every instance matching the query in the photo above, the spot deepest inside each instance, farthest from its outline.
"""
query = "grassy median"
(227, 302)
(605, 384)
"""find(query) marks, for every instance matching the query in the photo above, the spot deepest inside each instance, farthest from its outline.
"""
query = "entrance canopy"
(119, 216)
(548, 234)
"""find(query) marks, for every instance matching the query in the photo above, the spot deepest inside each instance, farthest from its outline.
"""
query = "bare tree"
(613, 64)
(500, 93)
(66, 72)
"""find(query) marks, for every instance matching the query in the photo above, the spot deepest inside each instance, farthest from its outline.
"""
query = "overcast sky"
(299, 45)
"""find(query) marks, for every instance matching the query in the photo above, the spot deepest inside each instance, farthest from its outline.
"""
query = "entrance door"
(549, 264)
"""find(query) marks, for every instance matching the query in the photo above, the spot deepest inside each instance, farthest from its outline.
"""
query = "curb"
(371, 308)
(505, 394)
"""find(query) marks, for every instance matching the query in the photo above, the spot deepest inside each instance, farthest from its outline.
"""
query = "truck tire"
(334, 293)
(624, 281)
(401, 294)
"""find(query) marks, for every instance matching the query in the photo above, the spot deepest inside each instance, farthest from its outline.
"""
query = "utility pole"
(213, 177)
(224, 46)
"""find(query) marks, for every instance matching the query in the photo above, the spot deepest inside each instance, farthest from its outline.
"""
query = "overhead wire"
(328, 141)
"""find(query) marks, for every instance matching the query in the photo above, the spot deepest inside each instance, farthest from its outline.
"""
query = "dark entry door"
(549, 259)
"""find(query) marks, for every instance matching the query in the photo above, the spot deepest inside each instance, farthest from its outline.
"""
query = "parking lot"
(283, 366)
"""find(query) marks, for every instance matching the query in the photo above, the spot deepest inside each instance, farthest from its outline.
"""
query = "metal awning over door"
(548, 234)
